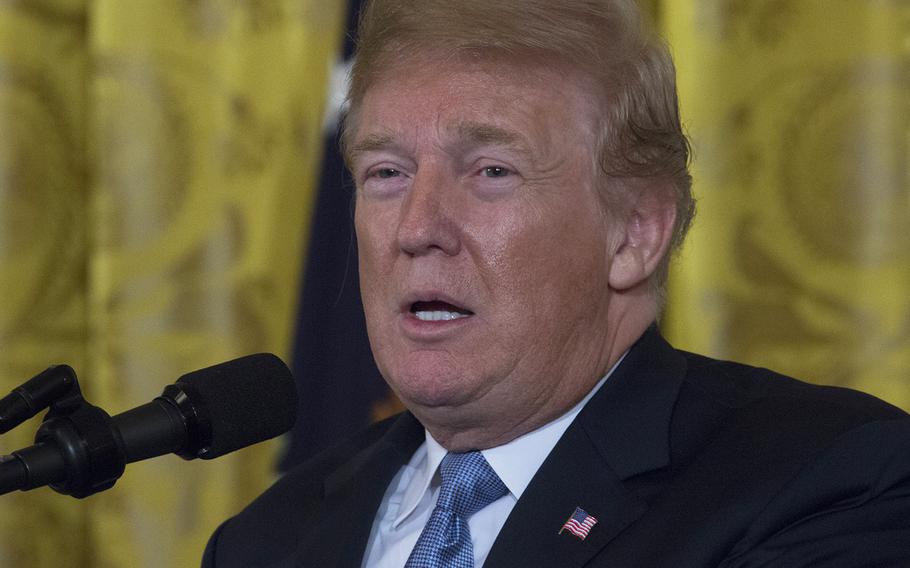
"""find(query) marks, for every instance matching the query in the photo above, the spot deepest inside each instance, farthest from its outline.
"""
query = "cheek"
(550, 270)
(370, 244)
(374, 227)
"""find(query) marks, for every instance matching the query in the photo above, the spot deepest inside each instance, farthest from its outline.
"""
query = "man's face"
(484, 249)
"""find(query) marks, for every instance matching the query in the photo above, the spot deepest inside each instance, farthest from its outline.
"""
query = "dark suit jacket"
(685, 462)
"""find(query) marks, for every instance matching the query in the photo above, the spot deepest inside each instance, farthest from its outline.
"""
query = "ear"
(644, 238)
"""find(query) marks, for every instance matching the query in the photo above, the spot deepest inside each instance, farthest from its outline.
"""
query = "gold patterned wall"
(157, 162)
(799, 114)
(44, 196)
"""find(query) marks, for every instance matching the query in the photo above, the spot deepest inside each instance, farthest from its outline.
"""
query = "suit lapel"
(623, 431)
(574, 475)
(352, 495)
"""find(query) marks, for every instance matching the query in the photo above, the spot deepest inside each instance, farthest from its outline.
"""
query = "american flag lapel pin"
(579, 523)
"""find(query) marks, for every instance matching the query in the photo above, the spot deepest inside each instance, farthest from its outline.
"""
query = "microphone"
(205, 414)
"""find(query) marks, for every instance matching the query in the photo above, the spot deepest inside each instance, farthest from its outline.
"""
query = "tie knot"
(468, 483)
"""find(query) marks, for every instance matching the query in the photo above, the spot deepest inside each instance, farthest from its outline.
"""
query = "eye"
(495, 171)
(386, 173)
(384, 179)
(489, 179)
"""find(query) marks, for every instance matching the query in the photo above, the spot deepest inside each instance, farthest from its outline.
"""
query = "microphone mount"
(80, 435)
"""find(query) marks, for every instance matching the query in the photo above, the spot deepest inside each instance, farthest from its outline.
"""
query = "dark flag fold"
(340, 387)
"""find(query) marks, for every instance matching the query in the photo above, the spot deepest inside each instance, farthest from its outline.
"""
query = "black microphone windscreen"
(246, 400)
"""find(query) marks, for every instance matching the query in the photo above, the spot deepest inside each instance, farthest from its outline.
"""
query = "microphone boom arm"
(55, 385)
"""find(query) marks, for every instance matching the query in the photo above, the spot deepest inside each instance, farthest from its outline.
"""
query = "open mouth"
(438, 311)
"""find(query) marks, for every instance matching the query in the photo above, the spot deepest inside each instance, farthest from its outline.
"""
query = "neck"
(493, 421)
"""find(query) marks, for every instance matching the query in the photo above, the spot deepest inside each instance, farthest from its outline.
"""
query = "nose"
(427, 222)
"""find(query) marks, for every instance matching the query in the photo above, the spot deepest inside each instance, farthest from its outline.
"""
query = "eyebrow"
(466, 132)
(372, 143)
(482, 133)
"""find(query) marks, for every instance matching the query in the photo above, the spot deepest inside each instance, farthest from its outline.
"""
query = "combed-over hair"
(640, 135)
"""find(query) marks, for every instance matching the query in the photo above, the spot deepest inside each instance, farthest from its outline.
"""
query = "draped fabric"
(157, 159)
(341, 390)
(799, 259)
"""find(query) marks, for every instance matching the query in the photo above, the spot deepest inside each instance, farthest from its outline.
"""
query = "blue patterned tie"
(468, 485)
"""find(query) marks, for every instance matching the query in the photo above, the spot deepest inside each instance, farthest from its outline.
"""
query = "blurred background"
(171, 197)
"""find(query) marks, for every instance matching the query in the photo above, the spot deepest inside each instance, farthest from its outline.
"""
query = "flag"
(579, 523)
(341, 390)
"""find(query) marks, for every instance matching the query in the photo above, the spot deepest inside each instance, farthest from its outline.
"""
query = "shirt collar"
(425, 462)
(515, 462)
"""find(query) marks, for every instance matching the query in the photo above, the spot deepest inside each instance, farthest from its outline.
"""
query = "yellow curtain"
(157, 162)
(156, 173)
(799, 114)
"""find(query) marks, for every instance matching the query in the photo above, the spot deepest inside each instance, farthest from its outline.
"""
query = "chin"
(430, 382)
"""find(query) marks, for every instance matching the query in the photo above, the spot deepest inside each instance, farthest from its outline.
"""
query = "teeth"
(438, 316)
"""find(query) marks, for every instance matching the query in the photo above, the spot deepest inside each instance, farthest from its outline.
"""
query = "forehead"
(484, 102)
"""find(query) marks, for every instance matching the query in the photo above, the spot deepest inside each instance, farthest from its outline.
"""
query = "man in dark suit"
(521, 180)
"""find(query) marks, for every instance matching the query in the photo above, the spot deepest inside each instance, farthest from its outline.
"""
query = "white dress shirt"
(411, 496)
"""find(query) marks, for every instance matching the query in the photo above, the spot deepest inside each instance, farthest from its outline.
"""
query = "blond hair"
(640, 138)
